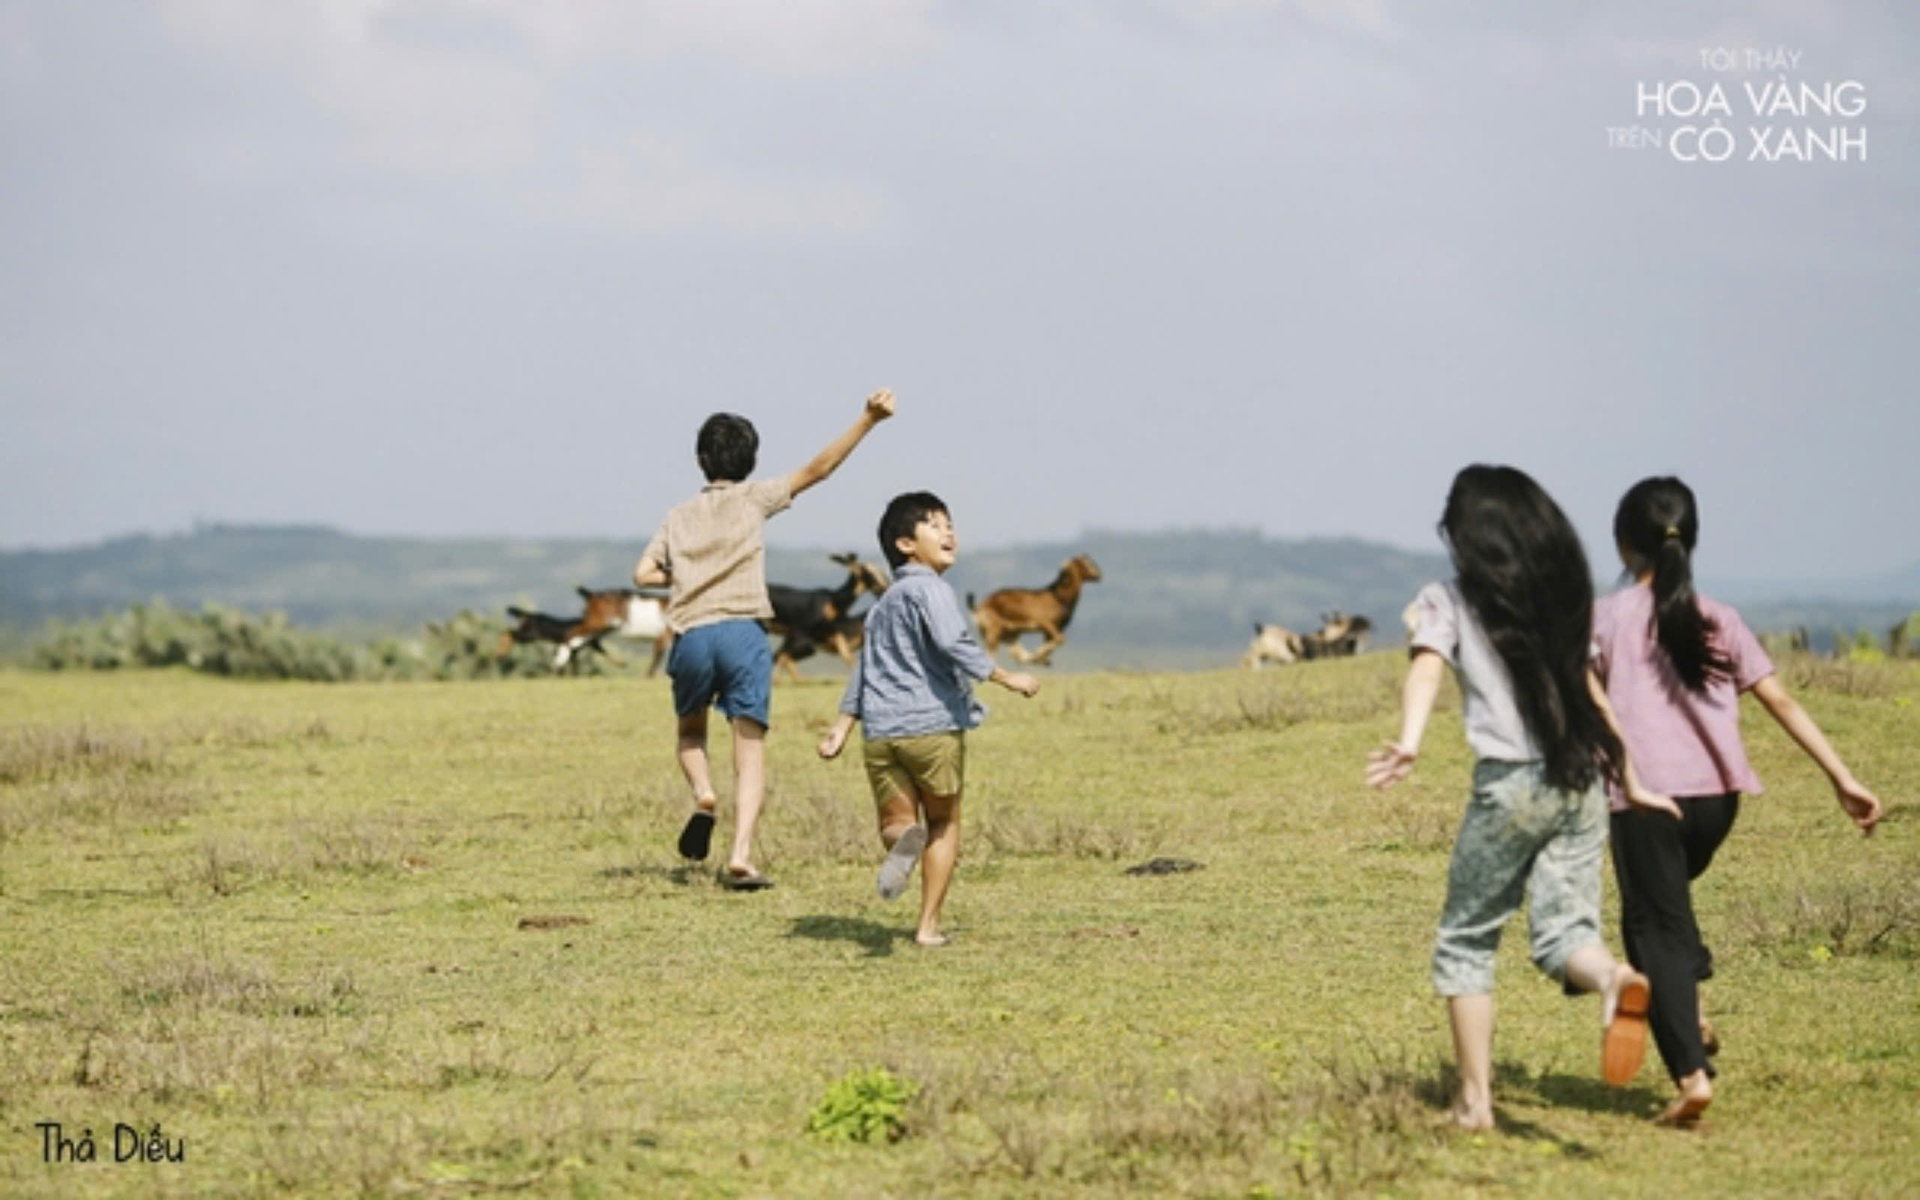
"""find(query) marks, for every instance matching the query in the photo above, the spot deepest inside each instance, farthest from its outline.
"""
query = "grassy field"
(424, 939)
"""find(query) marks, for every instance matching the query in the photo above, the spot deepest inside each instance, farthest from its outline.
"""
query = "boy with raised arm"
(711, 555)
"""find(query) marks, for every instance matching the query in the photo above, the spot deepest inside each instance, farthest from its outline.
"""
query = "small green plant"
(862, 1106)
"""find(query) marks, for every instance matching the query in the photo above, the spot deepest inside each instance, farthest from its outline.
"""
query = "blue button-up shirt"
(915, 670)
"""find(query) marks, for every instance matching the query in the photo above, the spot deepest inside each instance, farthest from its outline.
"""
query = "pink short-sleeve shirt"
(1682, 743)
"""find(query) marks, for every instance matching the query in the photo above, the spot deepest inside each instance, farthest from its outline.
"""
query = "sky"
(481, 267)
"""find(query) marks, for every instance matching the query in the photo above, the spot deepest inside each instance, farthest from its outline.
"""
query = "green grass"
(433, 939)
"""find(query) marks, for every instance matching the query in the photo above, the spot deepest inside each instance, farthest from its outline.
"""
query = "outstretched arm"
(1394, 761)
(1015, 681)
(879, 408)
(849, 713)
(836, 735)
(1637, 795)
(1862, 805)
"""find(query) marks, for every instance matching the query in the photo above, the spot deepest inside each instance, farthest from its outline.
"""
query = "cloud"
(486, 91)
(408, 105)
(17, 55)
(653, 185)
(788, 38)
(1368, 17)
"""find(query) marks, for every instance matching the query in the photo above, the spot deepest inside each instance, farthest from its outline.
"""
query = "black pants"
(1655, 860)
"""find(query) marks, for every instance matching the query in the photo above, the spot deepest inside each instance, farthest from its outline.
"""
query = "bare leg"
(936, 865)
(904, 839)
(749, 787)
(693, 758)
(696, 838)
(896, 817)
(1593, 969)
(1472, 1019)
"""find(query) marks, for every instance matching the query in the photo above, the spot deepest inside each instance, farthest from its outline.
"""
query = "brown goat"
(1006, 614)
(616, 612)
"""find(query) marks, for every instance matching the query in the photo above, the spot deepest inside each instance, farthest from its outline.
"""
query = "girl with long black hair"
(1515, 626)
(1674, 664)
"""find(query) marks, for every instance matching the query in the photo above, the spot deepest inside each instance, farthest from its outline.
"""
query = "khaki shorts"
(933, 764)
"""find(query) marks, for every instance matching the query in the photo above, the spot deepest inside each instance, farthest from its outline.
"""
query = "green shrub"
(223, 641)
(862, 1106)
(1903, 640)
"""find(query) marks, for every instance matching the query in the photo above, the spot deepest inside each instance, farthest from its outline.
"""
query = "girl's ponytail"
(1656, 525)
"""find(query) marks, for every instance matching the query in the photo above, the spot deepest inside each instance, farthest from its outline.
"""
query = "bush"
(1903, 640)
(223, 641)
(862, 1106)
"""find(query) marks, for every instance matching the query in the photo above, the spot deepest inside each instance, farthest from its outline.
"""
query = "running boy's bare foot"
(1696, 1092)
(931, 941)
(1472, 1117)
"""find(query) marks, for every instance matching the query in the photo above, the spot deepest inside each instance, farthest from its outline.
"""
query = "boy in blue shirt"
(911, 690)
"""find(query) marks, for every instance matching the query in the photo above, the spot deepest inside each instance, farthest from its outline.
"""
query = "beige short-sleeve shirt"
(714, 553)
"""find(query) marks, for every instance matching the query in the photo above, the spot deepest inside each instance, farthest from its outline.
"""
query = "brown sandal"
(1624, 1044)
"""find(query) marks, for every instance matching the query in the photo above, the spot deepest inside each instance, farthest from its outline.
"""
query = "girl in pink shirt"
(1674, 664)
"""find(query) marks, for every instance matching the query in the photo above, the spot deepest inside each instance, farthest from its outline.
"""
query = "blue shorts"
(728, 664)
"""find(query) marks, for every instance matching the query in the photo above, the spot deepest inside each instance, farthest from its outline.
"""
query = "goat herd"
(808, 620)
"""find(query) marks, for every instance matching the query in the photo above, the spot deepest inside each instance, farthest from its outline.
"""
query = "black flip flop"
(697, 838)
(755, 882)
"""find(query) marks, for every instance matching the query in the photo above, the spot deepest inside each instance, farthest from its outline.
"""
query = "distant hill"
(1166, 599)
(1176, 598)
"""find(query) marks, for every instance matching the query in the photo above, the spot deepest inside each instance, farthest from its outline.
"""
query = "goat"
(807, 609)
(616, 612)
(1340, 636)
(1006, 614)
(533, 627)
(843, 636)
(810, 618)
(1273, 643)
